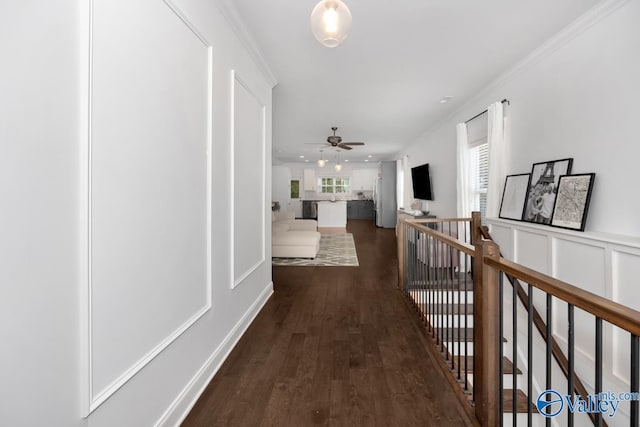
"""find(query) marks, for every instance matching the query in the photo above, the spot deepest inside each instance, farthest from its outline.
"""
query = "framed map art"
(572, 201)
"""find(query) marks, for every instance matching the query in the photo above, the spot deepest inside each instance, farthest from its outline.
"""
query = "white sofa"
(293, 238)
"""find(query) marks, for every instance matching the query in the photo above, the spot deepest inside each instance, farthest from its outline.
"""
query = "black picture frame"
(541, 190)
(514, 196)
(572, 201)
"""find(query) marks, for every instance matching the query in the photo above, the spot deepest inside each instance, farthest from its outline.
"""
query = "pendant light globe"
(330, 22)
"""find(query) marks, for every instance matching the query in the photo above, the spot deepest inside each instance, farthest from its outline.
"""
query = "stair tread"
(452, 334)
(522, 402)
(467, 361)
(448, 308)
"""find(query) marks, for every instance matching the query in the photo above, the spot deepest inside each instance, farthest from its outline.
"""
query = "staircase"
(448, 317)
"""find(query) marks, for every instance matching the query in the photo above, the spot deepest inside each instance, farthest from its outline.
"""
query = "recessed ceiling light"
(369, 156)
(346, 160)
(306, 161)
(302, 157)
(366, 160)
(445, 99)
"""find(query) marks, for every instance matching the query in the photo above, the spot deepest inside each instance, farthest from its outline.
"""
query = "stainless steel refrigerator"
(384, 195)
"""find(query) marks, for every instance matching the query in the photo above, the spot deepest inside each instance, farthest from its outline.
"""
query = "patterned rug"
(335, 250)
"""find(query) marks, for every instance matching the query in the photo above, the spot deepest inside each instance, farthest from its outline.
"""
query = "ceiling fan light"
(330, 22)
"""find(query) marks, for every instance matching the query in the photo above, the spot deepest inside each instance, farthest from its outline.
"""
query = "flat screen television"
(421, 182)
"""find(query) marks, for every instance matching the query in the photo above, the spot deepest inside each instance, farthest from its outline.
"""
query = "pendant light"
(330, 22)
(321, 161)
(338, 166)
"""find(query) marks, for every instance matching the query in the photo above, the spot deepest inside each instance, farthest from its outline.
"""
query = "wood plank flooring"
(334, 346)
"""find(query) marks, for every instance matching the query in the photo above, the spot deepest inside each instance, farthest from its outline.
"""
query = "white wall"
(577, 96)
(159, 146)
(40, 134)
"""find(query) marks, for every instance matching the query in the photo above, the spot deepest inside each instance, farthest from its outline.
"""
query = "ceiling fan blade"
(353, 143)
(314, 143)
(345, 147)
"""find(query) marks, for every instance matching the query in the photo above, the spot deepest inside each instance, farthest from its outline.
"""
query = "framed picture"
(513, 196)
(542, 190)
(572, 201)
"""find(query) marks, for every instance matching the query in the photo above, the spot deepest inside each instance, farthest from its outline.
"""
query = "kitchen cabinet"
(363, 179)
(360, 209)
(309, 177)
(332, 214)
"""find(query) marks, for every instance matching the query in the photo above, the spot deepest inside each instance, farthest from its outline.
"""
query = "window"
(479, 163)
(295, 189)
(479, 159)
(333, 185)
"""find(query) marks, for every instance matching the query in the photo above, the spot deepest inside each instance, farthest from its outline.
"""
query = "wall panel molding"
(184, 402)
(605, 264)
(94, 298)
(248, 203)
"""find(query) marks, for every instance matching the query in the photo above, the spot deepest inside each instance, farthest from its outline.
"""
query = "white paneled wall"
(149, 187)
(128, 148)
(605, 264)
(249, 204)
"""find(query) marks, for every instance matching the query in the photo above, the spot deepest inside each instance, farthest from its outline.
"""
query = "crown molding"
(562, 38)
(230, 13)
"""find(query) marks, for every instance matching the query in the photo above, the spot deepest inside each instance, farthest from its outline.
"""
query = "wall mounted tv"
(421, 182)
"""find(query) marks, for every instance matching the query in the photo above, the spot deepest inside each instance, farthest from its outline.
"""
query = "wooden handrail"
(611, 311)
(541, 327)
(451, 241)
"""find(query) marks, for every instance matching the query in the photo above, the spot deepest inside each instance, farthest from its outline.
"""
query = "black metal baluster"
(446, 295)
(571, 356)
(514, 352)
(466, 328)
(429, 287)
(440, 295)
(529, 352)
(548, 358)
(598, 415)
(635, 404)
(458, 312)
(500, 335)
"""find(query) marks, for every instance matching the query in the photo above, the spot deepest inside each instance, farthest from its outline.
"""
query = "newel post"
(487, 340)
(476, 223)
(400, 236)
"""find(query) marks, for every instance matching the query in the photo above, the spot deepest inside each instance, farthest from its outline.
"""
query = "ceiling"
(384, 83)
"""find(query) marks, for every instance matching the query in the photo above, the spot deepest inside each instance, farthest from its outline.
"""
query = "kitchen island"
(332, 214)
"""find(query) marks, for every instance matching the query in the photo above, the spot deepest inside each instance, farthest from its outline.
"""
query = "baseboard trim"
(184, 402)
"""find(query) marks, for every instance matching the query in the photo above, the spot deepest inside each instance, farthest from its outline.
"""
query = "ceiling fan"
(336, 141)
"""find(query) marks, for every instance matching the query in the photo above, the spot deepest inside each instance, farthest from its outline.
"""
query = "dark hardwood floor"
(333, 346)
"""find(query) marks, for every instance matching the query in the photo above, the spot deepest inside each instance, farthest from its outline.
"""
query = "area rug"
(335, 250)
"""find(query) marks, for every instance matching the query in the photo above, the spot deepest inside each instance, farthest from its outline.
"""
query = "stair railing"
(433, 274)
(494, 269)
(541, 327)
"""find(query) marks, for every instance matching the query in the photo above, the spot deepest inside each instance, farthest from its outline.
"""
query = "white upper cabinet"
(363, 179)
(309, 180)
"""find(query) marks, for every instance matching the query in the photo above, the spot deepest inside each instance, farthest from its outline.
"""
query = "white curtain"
(399, 183)
(463, 182)
(498, 156)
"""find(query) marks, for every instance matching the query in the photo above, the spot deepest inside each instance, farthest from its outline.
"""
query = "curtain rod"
(504, 101)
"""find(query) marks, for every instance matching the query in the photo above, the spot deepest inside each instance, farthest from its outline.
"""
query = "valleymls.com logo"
(551, 403)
